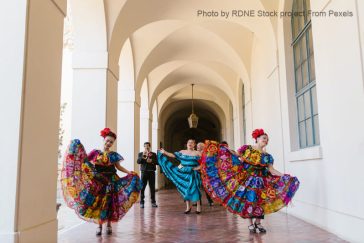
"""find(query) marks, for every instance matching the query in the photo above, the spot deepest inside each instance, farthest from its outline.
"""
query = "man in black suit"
(148, 164)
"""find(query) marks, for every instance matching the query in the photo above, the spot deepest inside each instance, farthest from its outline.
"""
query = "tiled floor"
(168, 224)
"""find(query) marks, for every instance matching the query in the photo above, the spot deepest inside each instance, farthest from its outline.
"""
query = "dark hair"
(111, 134)
(224, 142)
(147, 143)
(106, 132)
(191, 139)
(256, 140)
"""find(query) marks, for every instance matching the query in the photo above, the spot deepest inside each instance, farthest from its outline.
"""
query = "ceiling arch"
(178, 93)
(191, 43)
(126, 22)
(191, 73)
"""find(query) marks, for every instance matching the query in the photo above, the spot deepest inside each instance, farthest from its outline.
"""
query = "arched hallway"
(168, 223)
(177, 131)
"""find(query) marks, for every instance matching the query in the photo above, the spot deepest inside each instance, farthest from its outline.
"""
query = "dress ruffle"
(186, 180)
(244, 186)
(96, 197)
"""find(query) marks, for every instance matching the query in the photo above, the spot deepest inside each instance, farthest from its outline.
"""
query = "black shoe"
(251, 228)
(108, 230)
(154, 205)
(198, 212)
(99, 231)
(188, 211)
(142, 205)
(259, 228)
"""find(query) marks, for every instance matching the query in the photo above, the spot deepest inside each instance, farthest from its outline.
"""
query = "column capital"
(128, 96)
(155, 125)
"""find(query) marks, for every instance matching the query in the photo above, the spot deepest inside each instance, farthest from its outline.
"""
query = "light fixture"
(193, 118)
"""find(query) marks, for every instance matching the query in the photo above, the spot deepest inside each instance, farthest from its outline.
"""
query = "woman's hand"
(277, 173)
(197, 167)
(168, 154)
(233, 152)
(122, 169)
(162, 150)
(274, 171)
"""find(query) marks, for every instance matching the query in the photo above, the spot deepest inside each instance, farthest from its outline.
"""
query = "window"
(305, 79)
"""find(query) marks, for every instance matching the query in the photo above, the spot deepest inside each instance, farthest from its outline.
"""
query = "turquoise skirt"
(187, 180)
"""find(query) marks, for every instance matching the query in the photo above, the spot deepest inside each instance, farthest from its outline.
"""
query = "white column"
(30, 70)
(112, 104)
(94, 91)
(155, 132)
(238, 125)
(129, 128)
(238, 117)
(94, 98)
(230, 126)
(155, 147)
(145, 128)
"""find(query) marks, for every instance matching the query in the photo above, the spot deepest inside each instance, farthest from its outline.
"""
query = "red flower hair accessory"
(107, 132)
(257, 133)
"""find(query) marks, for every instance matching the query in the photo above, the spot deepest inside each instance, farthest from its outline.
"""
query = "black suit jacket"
(144, 165)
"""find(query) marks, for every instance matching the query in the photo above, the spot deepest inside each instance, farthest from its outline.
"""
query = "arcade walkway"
(168, 224)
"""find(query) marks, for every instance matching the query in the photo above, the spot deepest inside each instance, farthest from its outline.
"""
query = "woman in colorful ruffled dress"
(245, 182)
(91, 186)
(185, 176)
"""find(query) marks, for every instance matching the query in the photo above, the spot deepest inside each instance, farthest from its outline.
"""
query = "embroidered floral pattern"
(96, 196)
(243, 184)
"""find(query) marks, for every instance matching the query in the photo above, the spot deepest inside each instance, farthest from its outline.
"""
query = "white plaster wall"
(155, 144)
(66, 97)
(93, 84)
(12, 19)
(89, 23)
(89, 106)
(265, 100)
(38, 170)
(145, 119)
(112, 103)
(128, 110)
(330, 174)
(128, 133)
(35, 56)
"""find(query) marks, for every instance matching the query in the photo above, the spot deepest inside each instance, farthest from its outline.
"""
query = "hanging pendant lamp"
(193, 118)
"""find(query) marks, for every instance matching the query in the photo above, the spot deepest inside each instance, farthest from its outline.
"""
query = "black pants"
(148, 177)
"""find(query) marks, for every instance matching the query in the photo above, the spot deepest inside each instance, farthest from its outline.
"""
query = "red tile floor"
(168, 224)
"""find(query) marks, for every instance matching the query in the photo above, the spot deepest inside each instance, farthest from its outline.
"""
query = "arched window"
(305, 79)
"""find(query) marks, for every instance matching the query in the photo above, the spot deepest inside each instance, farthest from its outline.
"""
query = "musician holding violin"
(148, 164)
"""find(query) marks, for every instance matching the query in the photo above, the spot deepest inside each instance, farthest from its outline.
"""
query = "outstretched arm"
(122, 169)
(233, 152)
(167, 153)
(274, 171)
(197, 167)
